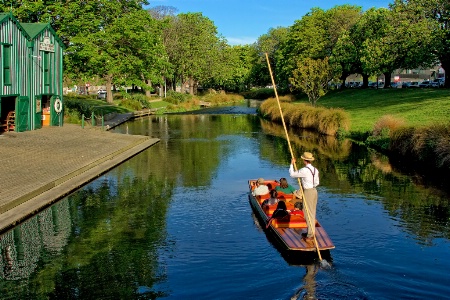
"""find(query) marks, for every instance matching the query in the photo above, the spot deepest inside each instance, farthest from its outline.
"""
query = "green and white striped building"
(31, 74)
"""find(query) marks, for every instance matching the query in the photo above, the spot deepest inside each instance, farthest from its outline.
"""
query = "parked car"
(410, 84)
(372, 85)
(101, 94)
(425, 84)
(394, 84)
(438, 83)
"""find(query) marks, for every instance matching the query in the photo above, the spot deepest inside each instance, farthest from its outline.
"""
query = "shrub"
(76, 105)
(430, 144)
(387, 122)
(331, 120)
(259, 94)
(177, 98)
(323, 120)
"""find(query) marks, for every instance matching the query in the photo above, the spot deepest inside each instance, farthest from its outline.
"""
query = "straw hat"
(307, 156)
(260, 180)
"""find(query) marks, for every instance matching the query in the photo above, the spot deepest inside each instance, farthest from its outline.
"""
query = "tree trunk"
(148, 91)
(445, 64)
(387, 79)
(191, 85)
(343, 79)
(365, 81)
(109, 95)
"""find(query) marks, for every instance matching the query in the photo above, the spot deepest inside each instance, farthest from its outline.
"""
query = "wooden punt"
(288, 232)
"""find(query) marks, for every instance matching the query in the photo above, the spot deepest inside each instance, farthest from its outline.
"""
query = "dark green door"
(22, 109)
(38, 115)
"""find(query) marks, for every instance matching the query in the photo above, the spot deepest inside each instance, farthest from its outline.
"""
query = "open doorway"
(7, 114)
(46, 103)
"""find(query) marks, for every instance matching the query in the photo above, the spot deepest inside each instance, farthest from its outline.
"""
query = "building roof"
(8, 16)
(35, 29)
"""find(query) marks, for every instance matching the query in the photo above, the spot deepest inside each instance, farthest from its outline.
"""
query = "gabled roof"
(3, 16)
(35, 29)
(8, 16)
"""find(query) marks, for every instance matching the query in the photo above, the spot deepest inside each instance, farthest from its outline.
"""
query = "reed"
(387, 123)
(430, 144)
(331, 120)
(323, 120)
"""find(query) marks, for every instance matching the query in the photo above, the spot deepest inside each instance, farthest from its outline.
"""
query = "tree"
(439, 12)
(128, 51)
(312, 77)
(315, 35)
(399, 40)
(193, 46)
(269, 43)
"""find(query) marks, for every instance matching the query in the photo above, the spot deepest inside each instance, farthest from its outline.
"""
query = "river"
(174, 222)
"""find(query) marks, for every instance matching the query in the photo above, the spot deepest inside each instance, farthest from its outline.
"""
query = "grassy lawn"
(417, 107)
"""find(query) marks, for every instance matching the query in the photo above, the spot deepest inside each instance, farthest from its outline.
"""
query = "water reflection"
(150, 228)
(308, 290)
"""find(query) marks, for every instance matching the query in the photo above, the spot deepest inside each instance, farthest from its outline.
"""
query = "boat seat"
(269, 209)
(284, 196)
(261, 198)
(291, 221)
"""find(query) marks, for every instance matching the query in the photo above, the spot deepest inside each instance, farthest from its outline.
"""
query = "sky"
(244, 21)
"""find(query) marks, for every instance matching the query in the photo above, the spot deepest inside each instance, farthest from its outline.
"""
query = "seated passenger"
(280, 213)
(272, 200)
(261, 188)
(285, 187)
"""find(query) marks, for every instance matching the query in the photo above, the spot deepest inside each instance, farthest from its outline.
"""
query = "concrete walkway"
(41, 166)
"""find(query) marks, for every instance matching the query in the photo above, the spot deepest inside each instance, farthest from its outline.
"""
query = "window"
(46, 69)
(7, 64)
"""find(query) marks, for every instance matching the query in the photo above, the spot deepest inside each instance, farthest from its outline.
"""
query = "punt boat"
(288, 230)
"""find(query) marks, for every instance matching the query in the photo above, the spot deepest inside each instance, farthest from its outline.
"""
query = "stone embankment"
(41, 166)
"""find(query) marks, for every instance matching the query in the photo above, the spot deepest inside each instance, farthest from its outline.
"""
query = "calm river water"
(174, 222)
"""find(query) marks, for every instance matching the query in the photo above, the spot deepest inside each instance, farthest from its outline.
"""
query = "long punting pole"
(292, 153)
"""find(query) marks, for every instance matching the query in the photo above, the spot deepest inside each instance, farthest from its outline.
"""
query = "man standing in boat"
(309, 177)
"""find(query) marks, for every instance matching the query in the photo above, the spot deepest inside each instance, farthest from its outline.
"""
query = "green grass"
(417, 107)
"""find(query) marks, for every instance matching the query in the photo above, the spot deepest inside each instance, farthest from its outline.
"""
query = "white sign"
(45, 45)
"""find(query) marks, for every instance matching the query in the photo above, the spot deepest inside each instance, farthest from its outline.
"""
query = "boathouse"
(31, 63)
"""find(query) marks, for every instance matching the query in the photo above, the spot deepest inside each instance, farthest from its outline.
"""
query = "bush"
(323, 120)
(77, 106)
(259, 94)
(177, 98)
(430, 144)
(387, 123)
(381, 134)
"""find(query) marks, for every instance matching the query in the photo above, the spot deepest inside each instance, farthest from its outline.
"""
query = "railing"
(94, 116)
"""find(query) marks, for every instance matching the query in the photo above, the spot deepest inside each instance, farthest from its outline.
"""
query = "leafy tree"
(128, 51)
(269, 43)
(193, 47)
(233, 69)
(312, 77)
(316, 34)
(439, 12)
(399, 40)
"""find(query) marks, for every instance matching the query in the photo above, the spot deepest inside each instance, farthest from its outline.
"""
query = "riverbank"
(41, 166)
(410, 124)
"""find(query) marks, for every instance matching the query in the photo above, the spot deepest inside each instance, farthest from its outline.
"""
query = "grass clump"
(325, 121)
(429, 144)
(381, 133)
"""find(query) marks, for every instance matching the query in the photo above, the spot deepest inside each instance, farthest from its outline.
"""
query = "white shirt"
(306, 175)
(261, 190)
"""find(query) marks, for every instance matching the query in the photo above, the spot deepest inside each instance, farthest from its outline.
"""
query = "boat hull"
(290, 238)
